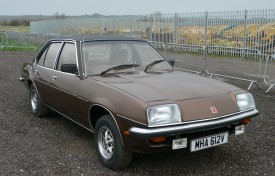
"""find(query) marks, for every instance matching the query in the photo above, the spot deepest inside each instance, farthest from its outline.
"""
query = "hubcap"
(106, 143)
(34, 99)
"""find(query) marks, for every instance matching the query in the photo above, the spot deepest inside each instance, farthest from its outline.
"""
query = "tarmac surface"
(56, 146)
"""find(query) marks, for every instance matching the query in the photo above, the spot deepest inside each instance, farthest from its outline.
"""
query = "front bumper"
(196, 126)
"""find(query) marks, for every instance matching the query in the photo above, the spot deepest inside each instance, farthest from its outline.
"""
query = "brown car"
(132, 98)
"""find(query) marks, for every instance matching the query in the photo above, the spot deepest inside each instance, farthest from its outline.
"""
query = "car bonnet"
(174, 86)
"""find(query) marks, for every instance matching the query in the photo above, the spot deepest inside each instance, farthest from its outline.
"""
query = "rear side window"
(51, 55)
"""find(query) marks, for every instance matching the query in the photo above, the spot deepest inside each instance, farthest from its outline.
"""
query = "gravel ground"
(56, 146)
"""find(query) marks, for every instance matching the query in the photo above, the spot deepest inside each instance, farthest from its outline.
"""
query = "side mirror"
(172, 62)
(69, 68)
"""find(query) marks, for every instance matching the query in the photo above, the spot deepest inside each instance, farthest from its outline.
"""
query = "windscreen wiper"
(119, 67)
(149, 66)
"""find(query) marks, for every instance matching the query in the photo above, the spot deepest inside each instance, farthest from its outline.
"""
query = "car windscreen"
(100, 56)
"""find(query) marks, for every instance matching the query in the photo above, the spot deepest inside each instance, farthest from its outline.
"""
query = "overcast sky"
(126, 7)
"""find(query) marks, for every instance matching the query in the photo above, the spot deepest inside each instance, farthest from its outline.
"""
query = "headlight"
(245, 101)
(163, 115)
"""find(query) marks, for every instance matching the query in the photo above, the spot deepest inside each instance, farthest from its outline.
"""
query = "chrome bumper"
(146, 133)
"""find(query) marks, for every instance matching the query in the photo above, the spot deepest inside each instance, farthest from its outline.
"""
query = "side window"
(67, 60)
(42, 57)
(51, 55)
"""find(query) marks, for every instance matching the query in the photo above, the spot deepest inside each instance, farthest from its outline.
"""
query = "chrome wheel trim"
(33, 99)
(105, 143)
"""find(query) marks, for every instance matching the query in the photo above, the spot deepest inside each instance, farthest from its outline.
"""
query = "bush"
(15, 22)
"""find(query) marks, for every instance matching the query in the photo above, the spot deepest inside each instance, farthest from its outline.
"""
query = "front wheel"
(37, 106)
(109, 147)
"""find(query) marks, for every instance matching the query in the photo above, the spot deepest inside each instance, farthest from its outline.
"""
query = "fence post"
(131, 26)
(205, 48)
(244, 26)
(2, 36)
(38, 39)
(175, 28)
(266, 75)
(6, 37)
(150, 32)
(114, 26)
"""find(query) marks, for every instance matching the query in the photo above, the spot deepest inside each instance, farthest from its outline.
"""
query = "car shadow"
(206, 162)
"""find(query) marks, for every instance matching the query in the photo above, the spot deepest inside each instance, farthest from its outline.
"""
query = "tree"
(25, 22)
(15, 23)
(4, 23)
(59, 16)
(157, 14)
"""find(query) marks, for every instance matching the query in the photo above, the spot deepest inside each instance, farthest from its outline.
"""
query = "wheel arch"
(96, 112)
(30, 82)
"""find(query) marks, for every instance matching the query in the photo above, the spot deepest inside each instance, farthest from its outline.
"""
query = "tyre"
(109, 147)
(37, 107)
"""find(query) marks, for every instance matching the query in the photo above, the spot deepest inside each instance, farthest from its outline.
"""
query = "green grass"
(13, 45)
(18, 48)
(14, 28)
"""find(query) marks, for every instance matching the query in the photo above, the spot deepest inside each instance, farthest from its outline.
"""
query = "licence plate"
(209, 141)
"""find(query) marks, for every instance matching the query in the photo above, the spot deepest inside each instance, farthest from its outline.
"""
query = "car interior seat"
(119, 57)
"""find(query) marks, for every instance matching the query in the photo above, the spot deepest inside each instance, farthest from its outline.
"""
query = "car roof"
(79, 38)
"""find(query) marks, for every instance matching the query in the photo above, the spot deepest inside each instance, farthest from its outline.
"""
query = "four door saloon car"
(132, 98)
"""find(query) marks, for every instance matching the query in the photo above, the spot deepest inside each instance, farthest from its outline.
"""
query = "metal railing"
(235, 63)
(238, 29)
(2, 38)
(244, 64)
(191, 39)
(185, 57)
(22, 40)
(269, 73)
(247, 36)
(14, 40)
(216, 61)
(158, 45)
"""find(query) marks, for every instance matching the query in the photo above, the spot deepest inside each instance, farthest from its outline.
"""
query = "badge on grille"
(214, 109)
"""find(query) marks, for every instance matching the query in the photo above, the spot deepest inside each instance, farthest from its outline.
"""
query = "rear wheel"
(37, 106)
(110, 149)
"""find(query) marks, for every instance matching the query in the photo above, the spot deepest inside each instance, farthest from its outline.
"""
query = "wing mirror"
(69, 68)
(172, 62)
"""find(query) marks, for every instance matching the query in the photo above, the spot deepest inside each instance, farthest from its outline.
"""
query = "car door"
(43, 70)
(65, 80)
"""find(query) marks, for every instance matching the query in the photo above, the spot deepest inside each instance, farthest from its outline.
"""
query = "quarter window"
(42, 57)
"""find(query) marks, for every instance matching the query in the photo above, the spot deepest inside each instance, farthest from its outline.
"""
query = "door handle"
(36, 72)
(54, 77)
